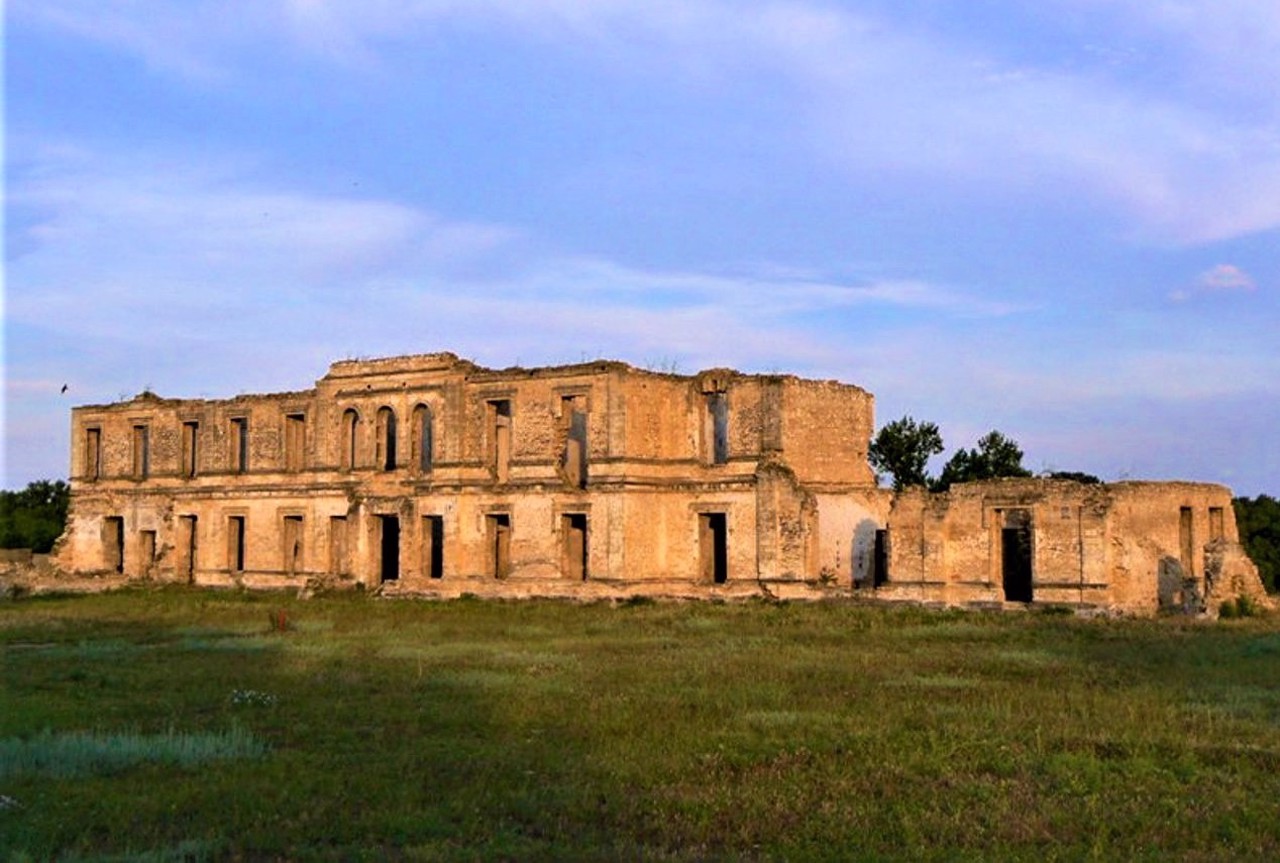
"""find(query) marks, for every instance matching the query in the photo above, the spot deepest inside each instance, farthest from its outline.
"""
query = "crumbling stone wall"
(431, 474)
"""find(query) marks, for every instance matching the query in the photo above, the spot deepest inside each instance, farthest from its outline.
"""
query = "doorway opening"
(1016, 555)
(713, 541)
(389, 545)
(880, 559)
(433, 546)
(573, 528)
(498, 526)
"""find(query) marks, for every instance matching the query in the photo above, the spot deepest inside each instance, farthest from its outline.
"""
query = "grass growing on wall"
(544, 730)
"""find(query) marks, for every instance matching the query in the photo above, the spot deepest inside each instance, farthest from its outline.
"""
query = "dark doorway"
(574, 530)
(1015, 548)
(390, 544)
(880, 559)
(713, 541)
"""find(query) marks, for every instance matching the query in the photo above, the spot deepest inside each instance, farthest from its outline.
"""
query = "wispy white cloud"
(872, 93)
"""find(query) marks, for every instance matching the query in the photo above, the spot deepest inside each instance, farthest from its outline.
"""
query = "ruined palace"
(431, 475)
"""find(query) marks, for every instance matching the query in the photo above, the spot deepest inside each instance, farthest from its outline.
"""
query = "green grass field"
(182, 725)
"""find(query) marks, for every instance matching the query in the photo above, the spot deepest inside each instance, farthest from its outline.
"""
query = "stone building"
(429, 474)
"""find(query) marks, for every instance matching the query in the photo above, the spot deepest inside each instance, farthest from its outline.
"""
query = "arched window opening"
(350, 423)
(424, 438)
(386, 438)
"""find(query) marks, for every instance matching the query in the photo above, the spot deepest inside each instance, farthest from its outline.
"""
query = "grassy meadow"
(188, 725)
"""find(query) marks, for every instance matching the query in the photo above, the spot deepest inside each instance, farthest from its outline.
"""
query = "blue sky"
(1058, 219)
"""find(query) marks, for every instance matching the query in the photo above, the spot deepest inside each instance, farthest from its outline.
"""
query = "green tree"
(994, 456)
(1258, 520)
(34, 517)
(902, 449)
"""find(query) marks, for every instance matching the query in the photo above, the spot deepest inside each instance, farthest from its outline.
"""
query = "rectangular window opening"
(718, 421)
(713, 542)
(295, 442)
(1186, 540)
(190, 438)
(141, 451)
(573, 461)
(573, 529)
(1216, 530)
(498, 531)
(240, 444)
(499, 411)
(433, 546)
(92, 453)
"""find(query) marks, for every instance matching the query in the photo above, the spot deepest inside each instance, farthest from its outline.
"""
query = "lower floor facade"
(1133, 547)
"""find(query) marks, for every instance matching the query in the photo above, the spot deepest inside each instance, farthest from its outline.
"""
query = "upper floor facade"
(439, 421)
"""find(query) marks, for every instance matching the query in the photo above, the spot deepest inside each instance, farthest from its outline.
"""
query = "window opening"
(1186, 543)
(499, 539)
(350, 422)
(295, 442)
(92, 453)
(113, 543)
(1215, 523)
(573, 529)
(190, 437)
(240, 444)
(433, 546)
(718, 420)
(292, 536)
(500, 438)
(573, 461)
(235, 543)
(141, 451)
(386, 438)
(389, 544)
(424, 444)
(713, 541)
